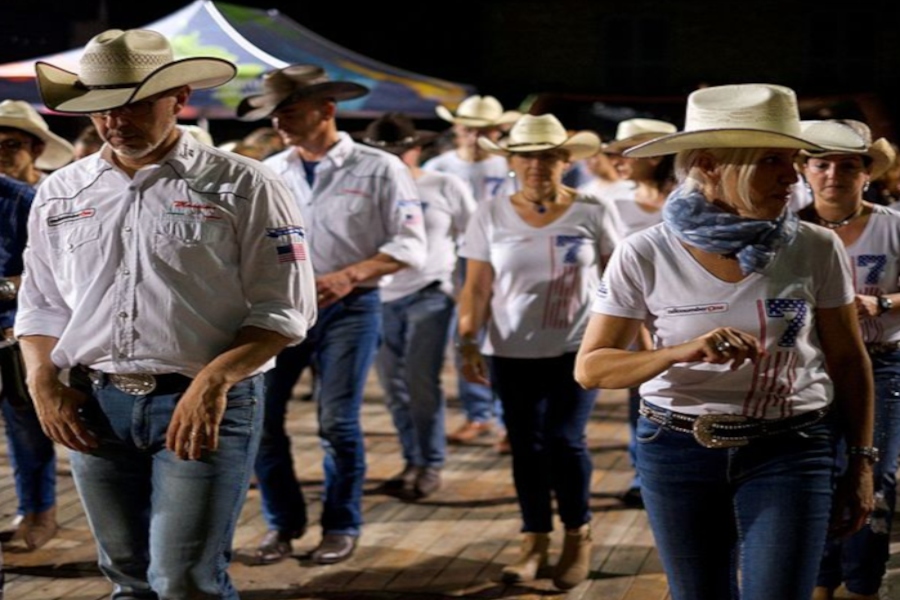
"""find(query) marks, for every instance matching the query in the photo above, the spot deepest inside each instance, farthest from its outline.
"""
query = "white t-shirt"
(543, 276)
(632, 216)
(653, 278)
(488, 178)
(447, 206)
(603, 189)
(875, 264)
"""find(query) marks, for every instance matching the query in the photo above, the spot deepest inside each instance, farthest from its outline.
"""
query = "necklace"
(838, 224)
(538, 205)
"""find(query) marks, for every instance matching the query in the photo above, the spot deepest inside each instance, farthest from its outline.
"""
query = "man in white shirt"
(166, 276)
(364, 222)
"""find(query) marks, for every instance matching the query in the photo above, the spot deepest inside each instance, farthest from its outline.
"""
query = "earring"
(866, 187)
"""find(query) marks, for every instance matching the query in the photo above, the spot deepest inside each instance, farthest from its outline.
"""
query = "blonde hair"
(741, 162)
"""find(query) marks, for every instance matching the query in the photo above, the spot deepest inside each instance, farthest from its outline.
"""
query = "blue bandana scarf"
(697, 222)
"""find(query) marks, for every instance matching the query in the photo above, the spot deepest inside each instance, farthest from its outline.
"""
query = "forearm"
(372, 268)
(252, 348)
(614, 368)
(474, 312)
(40, 370)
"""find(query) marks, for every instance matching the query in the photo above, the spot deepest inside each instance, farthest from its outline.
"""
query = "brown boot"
(532, 559)
(822, 593)
(42, 529)
(575, 561)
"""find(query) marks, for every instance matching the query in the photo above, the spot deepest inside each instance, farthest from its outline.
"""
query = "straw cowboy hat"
(22, 116)
(120, 67)
(478, 111)
(632, 132)
(543, 132)
(394, 133)
(849, 137)
(291, 84)
(750, 115)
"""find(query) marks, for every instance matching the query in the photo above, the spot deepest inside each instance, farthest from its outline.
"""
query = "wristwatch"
(884, 304)
(7, 289)
(869, 452)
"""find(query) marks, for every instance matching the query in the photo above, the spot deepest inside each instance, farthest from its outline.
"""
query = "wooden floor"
(451, 545)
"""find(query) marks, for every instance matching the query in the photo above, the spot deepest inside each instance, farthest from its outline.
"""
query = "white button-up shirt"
(363, 201)
(157, 273)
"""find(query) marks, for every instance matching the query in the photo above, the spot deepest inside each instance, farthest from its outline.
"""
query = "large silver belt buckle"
(706, 437)
(136, 384)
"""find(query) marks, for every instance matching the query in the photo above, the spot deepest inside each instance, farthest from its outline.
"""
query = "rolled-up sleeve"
(403, 217)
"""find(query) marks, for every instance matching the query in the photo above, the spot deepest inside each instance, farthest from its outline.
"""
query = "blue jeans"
(342, 346)
(546, 414)
(762, 508)
(409, 362)
(860, 561)
(32, 456)
(163, 525)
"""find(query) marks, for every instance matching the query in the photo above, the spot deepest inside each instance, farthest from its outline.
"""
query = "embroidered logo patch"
(291, 242)
(696, 309)
(200, 210)
(57, 220)
(411, 211)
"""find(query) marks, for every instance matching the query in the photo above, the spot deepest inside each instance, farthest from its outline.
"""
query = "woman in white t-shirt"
(871, 236)
(533, 260)
(759, 363)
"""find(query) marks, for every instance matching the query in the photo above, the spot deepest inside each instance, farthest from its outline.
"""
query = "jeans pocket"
(647, 431)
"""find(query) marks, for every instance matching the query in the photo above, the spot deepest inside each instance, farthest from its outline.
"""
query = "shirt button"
(127, 229)
(126, 272)
(123, 314)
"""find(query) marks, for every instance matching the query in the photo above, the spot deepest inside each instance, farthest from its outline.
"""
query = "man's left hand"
(195, 422)
(331, 287)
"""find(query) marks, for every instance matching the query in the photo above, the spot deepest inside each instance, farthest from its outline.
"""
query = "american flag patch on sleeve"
(292, 252)
(290, 246)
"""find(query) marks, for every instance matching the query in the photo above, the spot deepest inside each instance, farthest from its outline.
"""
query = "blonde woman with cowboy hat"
(758, 362)
(165, 275)
(838, 177)
(533, 259)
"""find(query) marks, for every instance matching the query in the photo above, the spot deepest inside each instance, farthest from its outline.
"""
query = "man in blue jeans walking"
(365, 222)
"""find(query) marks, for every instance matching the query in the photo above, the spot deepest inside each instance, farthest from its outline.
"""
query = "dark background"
(590, 62)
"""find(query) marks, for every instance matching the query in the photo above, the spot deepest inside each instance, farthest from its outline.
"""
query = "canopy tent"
(257, 41)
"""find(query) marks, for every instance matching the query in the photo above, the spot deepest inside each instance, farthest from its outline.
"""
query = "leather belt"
(139, 384)
(876, 348)
(727, 431)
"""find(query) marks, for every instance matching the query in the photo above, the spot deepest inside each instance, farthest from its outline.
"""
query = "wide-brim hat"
(478, 111)
(632, 132)
(293, 83)
(120, 67)
(394, 133)
(20, 115)
(537, 133)
(749, 115)
(849, 137)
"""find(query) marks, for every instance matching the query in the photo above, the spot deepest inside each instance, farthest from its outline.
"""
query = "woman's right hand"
(720, 346)
(474, 367)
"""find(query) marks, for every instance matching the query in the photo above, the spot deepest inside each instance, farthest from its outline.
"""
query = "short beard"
(139, 153)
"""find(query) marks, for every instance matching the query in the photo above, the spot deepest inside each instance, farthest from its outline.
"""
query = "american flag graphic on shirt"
(565, 282)
(290, 243)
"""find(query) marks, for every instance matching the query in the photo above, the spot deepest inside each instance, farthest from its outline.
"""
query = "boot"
(532, 559)
(575, 561)
(822, 593)
(41, 529)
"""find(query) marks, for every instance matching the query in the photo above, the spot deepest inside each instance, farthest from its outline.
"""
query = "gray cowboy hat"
(292, 83)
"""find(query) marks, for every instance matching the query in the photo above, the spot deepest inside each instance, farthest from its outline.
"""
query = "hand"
(867, 306)
(195, 422)
(331, 287)
(473, 368)
(854, 499)
(57, 407)
(8, 334)
(721, 346)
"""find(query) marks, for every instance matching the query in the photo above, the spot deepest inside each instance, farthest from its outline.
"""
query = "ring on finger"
(723, 346)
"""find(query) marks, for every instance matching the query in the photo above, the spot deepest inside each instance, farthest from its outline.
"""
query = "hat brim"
(421, 138)
(253, 108)
(580, 145)
(57, 153)
(62, 91)
(509, 116)
(880, 152)
(619, 146)
(718, 138)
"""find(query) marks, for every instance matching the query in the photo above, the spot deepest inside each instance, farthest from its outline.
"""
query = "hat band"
(114, 86)
(406, 140)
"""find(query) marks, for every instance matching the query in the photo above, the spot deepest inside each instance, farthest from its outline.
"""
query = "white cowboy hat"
(21, 115)
(632, 132)
(120, 67)
(543, 132)
(749, 115)
(478, 111)
(291, 84)
(849, 137)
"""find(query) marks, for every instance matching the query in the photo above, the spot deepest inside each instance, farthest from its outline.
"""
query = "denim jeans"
(762, 509)
(546, 414)
(861, 560)
(409, 363)
(342, 345)
(32, 456)
(163, 525)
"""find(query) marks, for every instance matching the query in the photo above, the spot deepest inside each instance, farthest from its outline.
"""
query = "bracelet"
(869, 452)
(465, 342)
(7, 289)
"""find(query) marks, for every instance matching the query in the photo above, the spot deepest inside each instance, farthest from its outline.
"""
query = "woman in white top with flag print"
(534, 259)
(759, 364)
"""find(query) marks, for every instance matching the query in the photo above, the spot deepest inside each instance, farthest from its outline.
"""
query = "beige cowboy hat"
(536, 133)
(849, 137)
(291, 84)
(20, 115)
(478, 111)
(632, 132)
(394, 133)
(120, 67)
(749, 115)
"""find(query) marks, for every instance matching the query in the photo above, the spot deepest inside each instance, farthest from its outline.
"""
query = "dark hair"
(35, 140)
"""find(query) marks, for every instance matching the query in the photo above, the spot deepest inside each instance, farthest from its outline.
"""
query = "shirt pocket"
(194, 248)
(78, 250)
